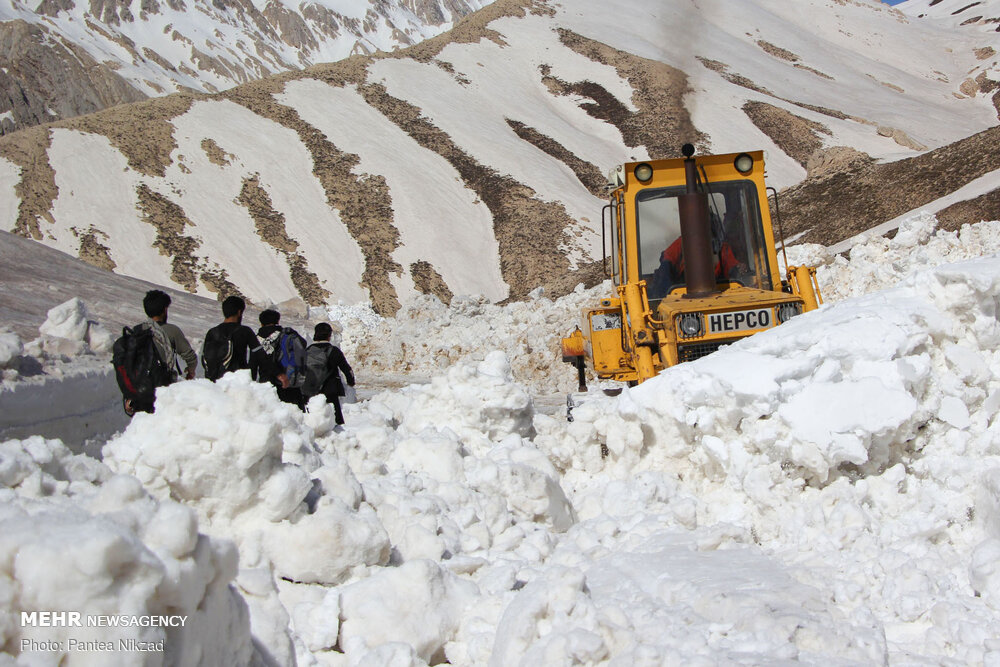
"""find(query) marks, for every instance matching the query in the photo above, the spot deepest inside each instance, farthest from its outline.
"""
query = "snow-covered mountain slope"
(471, 163)
(62, 58)
(980, 18)
(37, 278)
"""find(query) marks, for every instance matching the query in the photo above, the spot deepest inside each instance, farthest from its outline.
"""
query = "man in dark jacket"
(270, 334)
(324, 363)
(231, 346)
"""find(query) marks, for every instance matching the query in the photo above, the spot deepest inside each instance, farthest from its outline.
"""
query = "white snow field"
(827, 492)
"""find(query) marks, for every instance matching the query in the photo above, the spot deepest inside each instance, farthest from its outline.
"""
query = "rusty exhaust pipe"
(696, 233)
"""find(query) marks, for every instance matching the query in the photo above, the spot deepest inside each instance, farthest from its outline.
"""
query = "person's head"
(269, 317)
(233, 306)
(322, 331)
(155, 303)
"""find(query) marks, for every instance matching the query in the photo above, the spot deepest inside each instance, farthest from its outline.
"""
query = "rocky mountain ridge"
(64, 58)
(471, 163)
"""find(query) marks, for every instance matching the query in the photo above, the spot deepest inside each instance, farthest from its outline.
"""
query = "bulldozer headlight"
(643, 173)
(743, 163)
(689, 325)
(787, 311)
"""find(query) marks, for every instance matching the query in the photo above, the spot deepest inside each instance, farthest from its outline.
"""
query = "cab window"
(737, 237)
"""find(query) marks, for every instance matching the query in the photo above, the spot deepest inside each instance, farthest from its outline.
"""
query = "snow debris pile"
(826, 491)
(439, 473)
(246, 463)
(351, 323)
(427, 336)
(877, 262)
(860, 439)
(61, 383)
(75, 537)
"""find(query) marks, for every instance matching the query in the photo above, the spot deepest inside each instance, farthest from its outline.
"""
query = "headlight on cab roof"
(743, 163)
(787, 311)
(643, 172)
(689, 325)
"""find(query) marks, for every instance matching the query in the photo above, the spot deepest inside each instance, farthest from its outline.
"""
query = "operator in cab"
(670, 273)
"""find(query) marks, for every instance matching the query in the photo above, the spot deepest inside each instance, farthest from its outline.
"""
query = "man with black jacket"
(323, 361)
(231, 346)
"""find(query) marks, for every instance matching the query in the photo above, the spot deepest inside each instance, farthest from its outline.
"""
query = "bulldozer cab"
(646, 220)
(738, 248)
(690, 248)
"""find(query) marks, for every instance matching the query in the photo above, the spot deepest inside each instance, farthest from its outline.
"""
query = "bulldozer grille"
(699, 350)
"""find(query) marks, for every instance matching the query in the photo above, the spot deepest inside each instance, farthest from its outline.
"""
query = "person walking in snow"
(324, 363)
(170, 344)
(284, 358)
(231, 346)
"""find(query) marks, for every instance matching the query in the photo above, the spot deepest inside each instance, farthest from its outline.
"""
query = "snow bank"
(61, 384)
(444, 472)
(427, 337)
(246, 463)
(75, 537)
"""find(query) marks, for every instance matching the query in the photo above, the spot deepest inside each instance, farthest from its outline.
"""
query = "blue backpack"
(288, 354)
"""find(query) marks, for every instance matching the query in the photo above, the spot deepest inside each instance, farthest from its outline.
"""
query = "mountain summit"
(63, 58)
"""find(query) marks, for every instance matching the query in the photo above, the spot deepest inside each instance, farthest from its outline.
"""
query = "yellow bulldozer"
(689, 246)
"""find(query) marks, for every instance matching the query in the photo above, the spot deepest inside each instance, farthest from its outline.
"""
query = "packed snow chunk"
(221, 448)
(526, 478)
(832, 415)
(955, 412)
(76, 538)
(324, 547)
(284, 491)
(551, 620)
(984, 571)
(419, 603)
(915, 231)
(68, 320)
(317, 622)
(69, 329)
(433, 453)
(213, 445)
(10, 348)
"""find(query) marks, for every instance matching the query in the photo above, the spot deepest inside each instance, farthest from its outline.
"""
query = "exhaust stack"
(696, 233)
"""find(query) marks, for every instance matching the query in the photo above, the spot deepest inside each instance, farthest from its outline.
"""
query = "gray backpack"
(317, 369)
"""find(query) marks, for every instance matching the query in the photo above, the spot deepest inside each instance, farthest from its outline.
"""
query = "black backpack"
(216, 353)
(138, 366)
